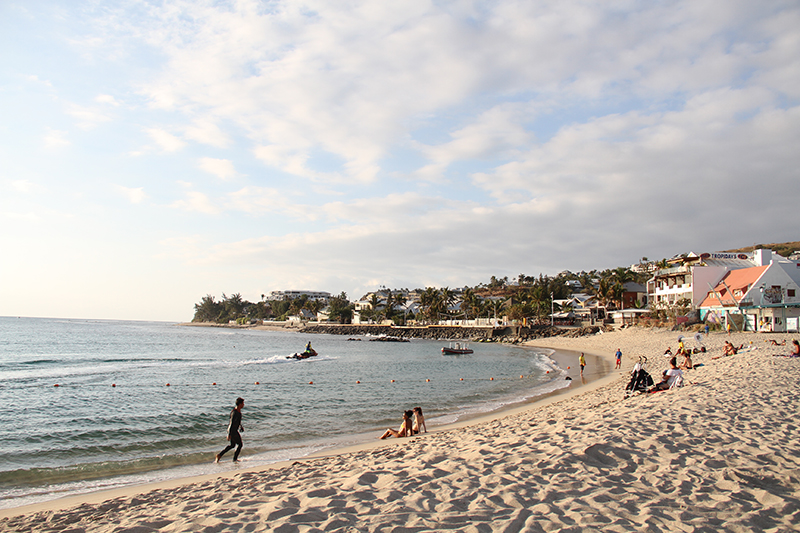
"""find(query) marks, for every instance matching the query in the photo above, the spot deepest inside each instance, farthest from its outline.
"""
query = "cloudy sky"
(155, 152)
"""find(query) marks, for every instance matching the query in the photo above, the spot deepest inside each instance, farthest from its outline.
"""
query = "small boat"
(457, 348)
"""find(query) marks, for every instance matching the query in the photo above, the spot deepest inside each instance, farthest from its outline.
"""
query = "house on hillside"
(633, 295)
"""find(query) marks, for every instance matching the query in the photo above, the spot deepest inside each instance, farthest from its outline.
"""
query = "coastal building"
(689, 277)
(633, 295)
(760, 298)
(292, 294)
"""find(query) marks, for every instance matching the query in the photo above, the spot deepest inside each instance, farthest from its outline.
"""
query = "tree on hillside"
(234, 306)
(340, 309)
(208, 310)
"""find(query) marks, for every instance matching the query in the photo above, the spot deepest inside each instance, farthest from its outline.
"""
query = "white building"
(292, 294)
(763, 298)
(691, 276)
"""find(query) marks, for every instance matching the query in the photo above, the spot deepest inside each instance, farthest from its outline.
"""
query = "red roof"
(735, 280)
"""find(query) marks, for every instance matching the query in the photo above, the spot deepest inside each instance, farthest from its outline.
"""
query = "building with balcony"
(762, 298)
(689, 277)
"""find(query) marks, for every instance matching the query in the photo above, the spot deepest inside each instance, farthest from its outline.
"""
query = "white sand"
(720, 454)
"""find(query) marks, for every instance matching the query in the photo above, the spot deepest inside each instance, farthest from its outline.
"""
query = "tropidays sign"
(723, 256)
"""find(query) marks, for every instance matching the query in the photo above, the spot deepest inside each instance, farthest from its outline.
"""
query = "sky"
(154, 152)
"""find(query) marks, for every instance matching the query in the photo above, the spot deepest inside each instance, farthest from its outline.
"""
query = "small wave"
(33, 362)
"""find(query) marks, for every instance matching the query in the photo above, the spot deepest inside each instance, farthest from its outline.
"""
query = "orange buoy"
(491, 379)
(392, 381)
(214, 383)
(113, 384)
(547, 372)
(56, 385)
(310, 382)
(167, 385)
(567, 368)
(521, 376)
(358, 381)
(258, 383)
(427, 381)
(462, 379)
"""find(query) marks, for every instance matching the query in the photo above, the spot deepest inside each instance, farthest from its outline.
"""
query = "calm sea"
(113, 420)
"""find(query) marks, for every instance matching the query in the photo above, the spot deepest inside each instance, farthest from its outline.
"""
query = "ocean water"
(140, 402)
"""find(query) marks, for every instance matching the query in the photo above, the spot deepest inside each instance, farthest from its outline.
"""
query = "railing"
(674, 270)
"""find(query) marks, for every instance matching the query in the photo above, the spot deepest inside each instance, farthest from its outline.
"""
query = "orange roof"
(735, 280)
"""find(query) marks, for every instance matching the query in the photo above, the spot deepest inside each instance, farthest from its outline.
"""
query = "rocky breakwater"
(518, 334)
(510, 334)
(402, 332)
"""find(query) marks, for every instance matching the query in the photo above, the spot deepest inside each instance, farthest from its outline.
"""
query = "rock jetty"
(513, 334)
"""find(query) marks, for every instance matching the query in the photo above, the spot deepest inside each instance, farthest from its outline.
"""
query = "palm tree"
(429, 302)
(447, 298)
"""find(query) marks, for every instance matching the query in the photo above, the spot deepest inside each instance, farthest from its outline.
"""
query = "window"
(790, 293)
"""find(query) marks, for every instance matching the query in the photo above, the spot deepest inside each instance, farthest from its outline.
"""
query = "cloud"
(206, 132)
(135, 195)
(261, 201)
(55, 138)
(222, 168)
(106, 99)
(86, 117)
(25, 186)
(197, 202)
(165, 140)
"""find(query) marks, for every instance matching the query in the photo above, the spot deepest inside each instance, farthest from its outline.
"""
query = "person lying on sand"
(668, 351)
(774, 343)
(404, 430)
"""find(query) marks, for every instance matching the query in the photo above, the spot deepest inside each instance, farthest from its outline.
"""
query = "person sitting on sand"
(419, 421)
(686, 364)
(795, 349)
(404, 430)
(728, 349)
(670, 375)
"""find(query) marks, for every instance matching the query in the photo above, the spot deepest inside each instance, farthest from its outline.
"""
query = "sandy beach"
(719, 454)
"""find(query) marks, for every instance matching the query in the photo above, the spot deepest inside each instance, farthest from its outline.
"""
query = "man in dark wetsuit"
(234, 427)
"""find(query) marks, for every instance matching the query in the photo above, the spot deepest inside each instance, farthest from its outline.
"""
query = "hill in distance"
(783, 248)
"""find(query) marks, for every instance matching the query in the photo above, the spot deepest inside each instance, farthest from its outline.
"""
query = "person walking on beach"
(728, 328)
(619, 359)
(582, 362)
(234, 427)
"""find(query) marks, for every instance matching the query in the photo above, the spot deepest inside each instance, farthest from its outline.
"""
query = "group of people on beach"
(407, 427)
(413, 423)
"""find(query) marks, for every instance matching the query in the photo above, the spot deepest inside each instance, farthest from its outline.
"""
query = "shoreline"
(558, 462)
(565, 358)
